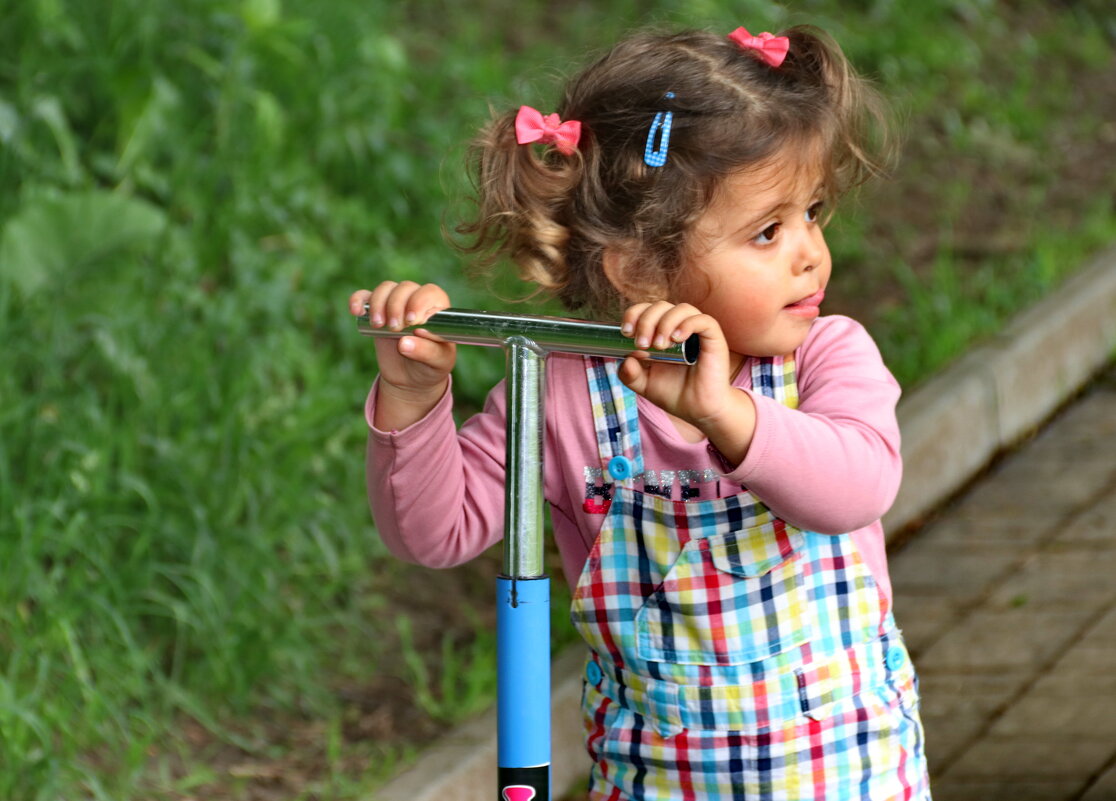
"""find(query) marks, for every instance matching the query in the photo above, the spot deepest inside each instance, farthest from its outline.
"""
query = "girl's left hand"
(695, 393)
(701, 395)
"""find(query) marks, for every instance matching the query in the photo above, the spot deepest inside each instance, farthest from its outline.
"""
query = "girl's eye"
(767, 235)
(814, 212)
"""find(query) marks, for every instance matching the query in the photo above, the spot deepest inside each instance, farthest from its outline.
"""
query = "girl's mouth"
(808, 306)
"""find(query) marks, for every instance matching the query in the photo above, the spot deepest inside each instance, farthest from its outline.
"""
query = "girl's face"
(758, 260)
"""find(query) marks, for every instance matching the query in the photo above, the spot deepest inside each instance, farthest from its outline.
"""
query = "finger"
(633, 374)
(705, 327)
(631, 316)
(432, 353)
(425, 334)
(376, 302)
(395, 305)
(671, 325)
(428, 299)
(647, 325)
(714, 349)
(695, 323)
(357, 302)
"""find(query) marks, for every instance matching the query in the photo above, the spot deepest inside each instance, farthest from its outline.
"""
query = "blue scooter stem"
(523, 690)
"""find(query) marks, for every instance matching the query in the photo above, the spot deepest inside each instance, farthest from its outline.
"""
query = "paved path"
(1008, 603)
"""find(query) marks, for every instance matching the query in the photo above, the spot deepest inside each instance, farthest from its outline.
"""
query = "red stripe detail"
(685, 767)
(598, 733)
(682, 522)
(817, 757)
(713, 583)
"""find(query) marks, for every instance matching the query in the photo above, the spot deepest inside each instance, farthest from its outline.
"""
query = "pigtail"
(522, 199)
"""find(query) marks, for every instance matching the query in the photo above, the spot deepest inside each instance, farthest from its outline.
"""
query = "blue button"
(620, 467)
(895, 657)
(593, 673)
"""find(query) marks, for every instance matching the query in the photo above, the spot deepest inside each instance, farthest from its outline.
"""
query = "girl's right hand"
(414, 369)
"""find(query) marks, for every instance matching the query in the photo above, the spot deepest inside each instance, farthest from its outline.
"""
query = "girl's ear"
(614, 270)
(631, 284)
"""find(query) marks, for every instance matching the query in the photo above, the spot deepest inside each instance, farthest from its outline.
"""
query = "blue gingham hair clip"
(658, 138)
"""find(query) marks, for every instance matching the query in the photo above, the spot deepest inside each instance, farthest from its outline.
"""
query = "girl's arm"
(833, 465)
(437, 494)
(429, 489)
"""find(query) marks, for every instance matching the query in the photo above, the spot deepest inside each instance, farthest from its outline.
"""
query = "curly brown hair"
(556, 216)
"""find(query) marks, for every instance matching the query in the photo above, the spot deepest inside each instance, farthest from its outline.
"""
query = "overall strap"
(774, 377)
(616, 420)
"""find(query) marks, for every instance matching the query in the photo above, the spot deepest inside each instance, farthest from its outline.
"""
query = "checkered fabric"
(734, 655)
(614, 409)
(775, 378)
(868, 745)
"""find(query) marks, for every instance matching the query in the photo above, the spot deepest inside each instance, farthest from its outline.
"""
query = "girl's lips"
(808, 303)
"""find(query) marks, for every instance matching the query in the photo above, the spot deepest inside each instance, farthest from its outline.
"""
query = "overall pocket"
(730, 598)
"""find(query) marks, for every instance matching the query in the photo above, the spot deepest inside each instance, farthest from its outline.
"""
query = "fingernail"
(643, 342)
(626, 329)
(393, 322)
(377, 320)
(409, 317)
(677, 336)
(406, 345)
(660, 342)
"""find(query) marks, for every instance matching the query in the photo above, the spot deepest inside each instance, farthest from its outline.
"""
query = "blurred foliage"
(188, 193)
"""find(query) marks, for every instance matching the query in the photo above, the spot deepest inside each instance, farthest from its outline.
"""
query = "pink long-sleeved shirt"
(831, 466)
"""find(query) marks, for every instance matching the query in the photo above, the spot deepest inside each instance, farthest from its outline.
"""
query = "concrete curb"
(952, 426)
(989, 398)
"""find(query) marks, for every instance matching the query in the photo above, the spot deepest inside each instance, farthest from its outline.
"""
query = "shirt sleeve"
(436, 493)
(833, 465)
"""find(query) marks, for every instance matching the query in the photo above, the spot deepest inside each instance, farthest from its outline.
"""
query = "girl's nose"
(811, 251)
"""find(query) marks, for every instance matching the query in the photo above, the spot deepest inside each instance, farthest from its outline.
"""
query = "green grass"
(188, 193)
(953, 305)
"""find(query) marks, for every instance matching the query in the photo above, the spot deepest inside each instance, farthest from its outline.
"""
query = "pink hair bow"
(531, 126)
(772, 49)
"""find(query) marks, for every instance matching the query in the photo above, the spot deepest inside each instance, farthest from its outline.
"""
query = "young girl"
(719, 523)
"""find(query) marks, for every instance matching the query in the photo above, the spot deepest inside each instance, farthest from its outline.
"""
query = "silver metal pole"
(523, 506)
(549, 334)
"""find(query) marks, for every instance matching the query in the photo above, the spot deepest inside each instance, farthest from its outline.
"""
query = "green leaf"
(9, 122)
(144, 124)
(260, 14)
(56, 237)
(49, 109)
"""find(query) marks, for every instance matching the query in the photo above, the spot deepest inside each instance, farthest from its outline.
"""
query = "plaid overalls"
(733, 655)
